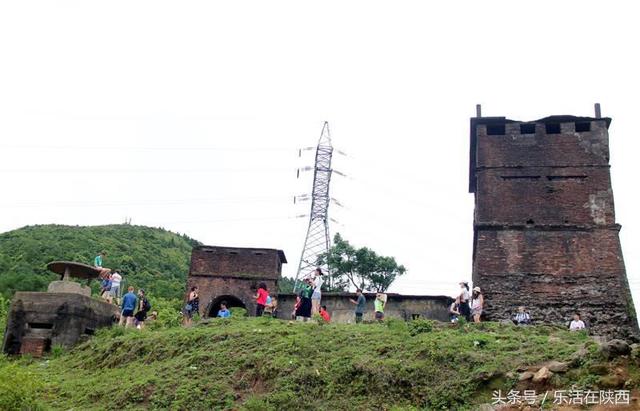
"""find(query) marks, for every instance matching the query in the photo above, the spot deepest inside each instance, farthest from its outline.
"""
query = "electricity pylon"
(317, 241)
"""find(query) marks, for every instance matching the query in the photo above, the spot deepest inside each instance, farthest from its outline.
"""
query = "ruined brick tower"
(545, 234)
(232, 274)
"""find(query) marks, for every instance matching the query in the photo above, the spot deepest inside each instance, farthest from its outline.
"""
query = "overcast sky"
(189, 115)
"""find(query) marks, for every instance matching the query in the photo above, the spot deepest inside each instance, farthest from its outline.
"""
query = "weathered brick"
(545, 234)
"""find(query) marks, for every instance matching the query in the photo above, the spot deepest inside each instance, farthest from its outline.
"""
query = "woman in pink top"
(261, 299)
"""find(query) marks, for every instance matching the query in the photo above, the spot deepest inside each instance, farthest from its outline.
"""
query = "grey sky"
(189, 115)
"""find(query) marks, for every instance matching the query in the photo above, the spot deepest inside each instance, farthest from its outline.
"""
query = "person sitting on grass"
(522, 317)
(271, 307)
(577, 324)
(324, 314)
(129, 303)
(454, 310)
(224, 312)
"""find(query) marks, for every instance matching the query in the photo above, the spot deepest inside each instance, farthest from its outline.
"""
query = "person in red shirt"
(324, 314)
(261, 299)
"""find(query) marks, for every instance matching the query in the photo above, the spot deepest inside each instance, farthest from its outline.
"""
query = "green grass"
(263, 364)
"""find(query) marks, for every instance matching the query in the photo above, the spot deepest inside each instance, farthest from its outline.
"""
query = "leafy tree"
(361, 267)
(285, 284)
(152, 258)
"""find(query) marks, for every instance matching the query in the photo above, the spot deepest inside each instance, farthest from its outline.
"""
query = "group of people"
(469, 306)
(135, 307)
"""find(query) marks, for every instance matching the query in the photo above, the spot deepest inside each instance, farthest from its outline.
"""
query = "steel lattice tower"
(317, 241)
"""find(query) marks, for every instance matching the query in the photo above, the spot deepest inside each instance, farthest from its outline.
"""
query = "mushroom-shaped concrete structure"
(68, 269)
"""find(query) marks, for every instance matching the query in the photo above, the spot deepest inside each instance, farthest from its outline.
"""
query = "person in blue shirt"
(224, 311)
(129, 304)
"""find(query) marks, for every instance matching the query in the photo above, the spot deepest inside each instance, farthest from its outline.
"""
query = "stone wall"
(545, 234)
(404, 307)
(43, 320)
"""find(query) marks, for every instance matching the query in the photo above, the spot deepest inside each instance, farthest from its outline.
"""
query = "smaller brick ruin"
(545, 234)
(232, 274)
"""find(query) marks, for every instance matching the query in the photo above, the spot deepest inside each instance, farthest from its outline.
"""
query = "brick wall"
(544, 223)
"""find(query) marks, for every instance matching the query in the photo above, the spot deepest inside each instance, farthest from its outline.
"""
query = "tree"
(363, 268)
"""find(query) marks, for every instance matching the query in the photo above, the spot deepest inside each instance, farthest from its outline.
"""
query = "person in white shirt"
(317, 291)
(464, 298)
(116, 279)
(577, 324)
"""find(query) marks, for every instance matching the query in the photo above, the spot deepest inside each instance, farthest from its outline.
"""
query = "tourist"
(360, 302)
(317, 282)
(477, 302)
(261, 299)
(224, 312)
(303, 312)
(522, 317)
(116, 280)
(296, 306)
(129, 303)
(576, 324)
(105, 288)
(143, 309)
(271, 307)
(378, 304)
(454, 310)
(192, 306)
(464, 297)
(324, 314)
(97, 263)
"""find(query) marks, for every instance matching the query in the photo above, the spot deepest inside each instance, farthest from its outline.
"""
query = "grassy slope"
(260, 364)
(152, 258)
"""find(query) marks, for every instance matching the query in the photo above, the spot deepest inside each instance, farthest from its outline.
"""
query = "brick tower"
(545, 234)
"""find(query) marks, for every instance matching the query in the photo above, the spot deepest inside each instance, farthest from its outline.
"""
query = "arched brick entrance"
(231, 300)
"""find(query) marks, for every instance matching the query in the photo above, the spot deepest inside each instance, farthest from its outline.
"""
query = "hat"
(477, 289)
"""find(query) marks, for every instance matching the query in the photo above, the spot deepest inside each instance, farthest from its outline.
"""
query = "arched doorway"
(230, 300)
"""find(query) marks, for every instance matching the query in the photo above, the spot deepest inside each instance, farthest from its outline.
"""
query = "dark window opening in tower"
(495, 129)
(527, 128)
(552, 128)
(583, 126)
(520, 177)
(530, 222)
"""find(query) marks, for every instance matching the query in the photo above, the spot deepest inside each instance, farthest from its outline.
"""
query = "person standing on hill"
(129, 304)
(105, 288)
(360, 303)
(192, 306)
(464, 298)
(477, 302)
(576, 324)
(143, 309)
(317, 290)
(379, 303)
(116, 280)
(261, 299)
(303, 313)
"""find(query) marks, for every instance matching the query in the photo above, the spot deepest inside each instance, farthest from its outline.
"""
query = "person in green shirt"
(378, 304)
(304, 309)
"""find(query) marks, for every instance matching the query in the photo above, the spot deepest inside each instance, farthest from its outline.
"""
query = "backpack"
(146, 305)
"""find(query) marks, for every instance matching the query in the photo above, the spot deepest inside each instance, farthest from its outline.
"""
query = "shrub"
(19, 388)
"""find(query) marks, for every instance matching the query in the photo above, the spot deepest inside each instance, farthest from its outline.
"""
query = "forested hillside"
(152, 258)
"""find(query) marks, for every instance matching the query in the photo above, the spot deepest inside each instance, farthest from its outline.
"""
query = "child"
(324, 314)
(224, 311)
(378, 304)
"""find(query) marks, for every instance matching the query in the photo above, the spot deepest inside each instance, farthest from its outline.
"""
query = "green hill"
(152, 258)
(266, 364)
